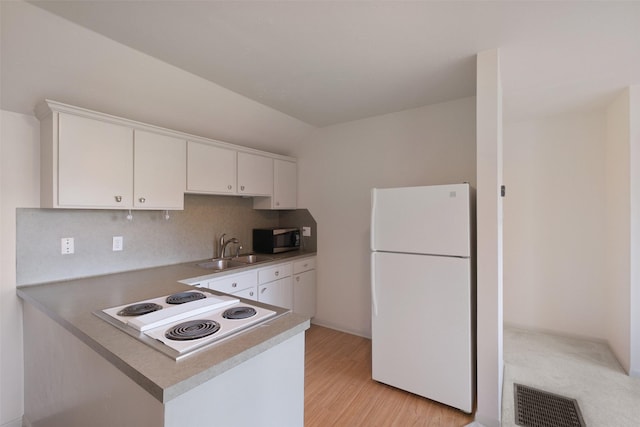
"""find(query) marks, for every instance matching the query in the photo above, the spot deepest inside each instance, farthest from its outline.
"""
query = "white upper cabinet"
(255, 175)
(211, 169)
(159, 171)
(285, 187)
(91, 160)
(91, 163)
(94, 164)
(285, 184)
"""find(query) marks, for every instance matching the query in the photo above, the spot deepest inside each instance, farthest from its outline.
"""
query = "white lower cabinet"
(241, 285)
(275, 285)
(304, 287)
(289, 285)
(249, 293)
(278, 292)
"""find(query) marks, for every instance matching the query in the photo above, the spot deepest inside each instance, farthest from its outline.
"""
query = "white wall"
(634, 297)
(554, 276)
(618, 223)
(50, 57)
(19, 187)
(489, 239)
(45, 56)
(340, 164)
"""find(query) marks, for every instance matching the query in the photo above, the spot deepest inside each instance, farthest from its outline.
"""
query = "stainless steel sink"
(252, 258)
(221, 264)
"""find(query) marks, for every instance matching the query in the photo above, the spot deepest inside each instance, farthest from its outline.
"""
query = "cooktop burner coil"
(192, 330)
(139, 309)
(236, 313)
(182, 297)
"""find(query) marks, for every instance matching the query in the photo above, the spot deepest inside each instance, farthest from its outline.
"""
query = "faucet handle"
(238, 249)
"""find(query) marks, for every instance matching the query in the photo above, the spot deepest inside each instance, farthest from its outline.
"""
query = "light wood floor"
(339, 390)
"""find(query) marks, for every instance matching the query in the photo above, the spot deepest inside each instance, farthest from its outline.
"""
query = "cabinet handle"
(297, 278)
(277, 203)
(234, 284)
(242, 187)
(118, 199)
(262, 290)
(251, 293)
(142, 200)
(277, 273)
(229, 187)
(305, 265)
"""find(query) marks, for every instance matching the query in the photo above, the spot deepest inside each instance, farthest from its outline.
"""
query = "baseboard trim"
(335, 327)
(515, 326)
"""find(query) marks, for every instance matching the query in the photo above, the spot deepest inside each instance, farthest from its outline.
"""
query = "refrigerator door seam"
(374, 299)
(423, 254)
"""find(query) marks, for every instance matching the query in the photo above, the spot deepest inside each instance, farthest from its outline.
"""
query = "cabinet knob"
(277, 203)
(234, 284)
(297, 278)
(242, 187)
(229, 187)
(251, 293)
(277, 273)
(118, 199)
(142, 200)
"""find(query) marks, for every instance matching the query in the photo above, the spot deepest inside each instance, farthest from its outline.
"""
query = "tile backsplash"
(149, 240)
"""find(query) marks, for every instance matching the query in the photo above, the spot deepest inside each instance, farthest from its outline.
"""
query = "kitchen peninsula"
(81, 370)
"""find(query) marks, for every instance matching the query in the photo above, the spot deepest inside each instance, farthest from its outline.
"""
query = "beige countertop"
(70, 303)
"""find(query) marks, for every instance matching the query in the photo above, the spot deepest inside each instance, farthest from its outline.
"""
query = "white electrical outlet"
(118, 243)
(306, 231)
(66, 245)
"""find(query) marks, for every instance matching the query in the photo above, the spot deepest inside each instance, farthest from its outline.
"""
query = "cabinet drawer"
(249, 293)
(304, 265)
(274, 273)
(233, 284)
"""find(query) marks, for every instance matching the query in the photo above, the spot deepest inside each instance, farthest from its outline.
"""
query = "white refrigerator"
(423, 307)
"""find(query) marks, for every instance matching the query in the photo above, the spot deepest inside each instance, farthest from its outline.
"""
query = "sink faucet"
(224, 244)
(220, 245)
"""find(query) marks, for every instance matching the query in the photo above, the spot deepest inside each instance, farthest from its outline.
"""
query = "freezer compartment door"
(422, 220)
(421, 326)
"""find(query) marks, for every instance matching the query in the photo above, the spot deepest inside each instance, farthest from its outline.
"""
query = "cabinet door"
(159, 171)
(255, 175)
(304, 293)
(210, 169)
(278, 293)
(285, 184)
(95, 163)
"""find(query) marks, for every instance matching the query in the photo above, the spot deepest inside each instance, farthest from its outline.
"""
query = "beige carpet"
(583, 370)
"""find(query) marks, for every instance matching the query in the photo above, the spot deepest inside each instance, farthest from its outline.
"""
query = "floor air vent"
(537, 408)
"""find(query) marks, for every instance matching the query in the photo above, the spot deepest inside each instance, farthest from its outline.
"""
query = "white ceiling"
(326, 62)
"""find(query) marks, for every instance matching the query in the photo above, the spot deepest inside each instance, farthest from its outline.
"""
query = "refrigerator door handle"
(373, 219)
(374, 299)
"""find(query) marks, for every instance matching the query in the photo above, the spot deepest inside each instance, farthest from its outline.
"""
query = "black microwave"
(275, 240)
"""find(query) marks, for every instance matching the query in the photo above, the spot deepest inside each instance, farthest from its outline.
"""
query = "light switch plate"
(118, 243)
